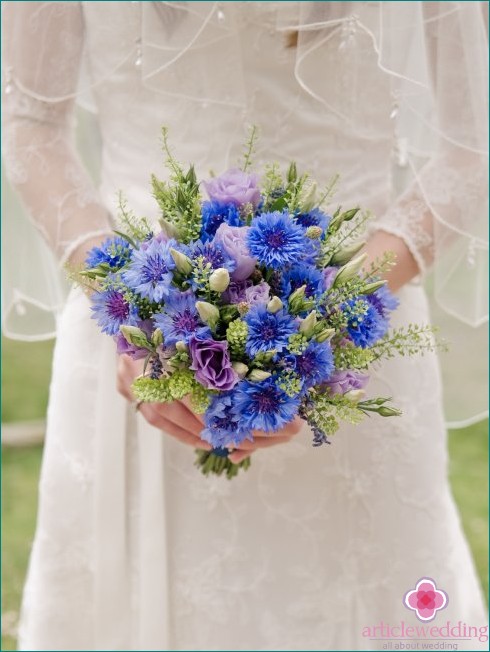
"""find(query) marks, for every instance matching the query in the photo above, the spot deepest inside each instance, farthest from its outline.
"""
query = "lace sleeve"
(441, 215)
(43, 44)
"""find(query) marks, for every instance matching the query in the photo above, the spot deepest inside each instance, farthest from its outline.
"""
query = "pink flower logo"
(426, 599)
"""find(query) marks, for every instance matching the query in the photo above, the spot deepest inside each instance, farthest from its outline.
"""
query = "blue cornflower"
(276, 240)
(302, 274)
(263, 405)
(150, 270)
(315, 217)
(214, 214)
(179, 318)
(268, 331)
(213, 253)
(383, 300)
(365, 325)
(115, 252)
(112, 309)
(315, 365)
(224, 424)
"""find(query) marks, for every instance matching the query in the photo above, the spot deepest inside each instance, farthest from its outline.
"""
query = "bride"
(310, 549)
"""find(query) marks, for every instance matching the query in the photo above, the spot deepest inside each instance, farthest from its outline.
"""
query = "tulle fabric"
(432, 54)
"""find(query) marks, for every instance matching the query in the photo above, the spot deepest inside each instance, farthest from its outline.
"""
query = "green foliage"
(336, 296)
(250, 148)
(414, 339)
(272, 185)
(379, 406)
(352, 357)
(381, 265)
(152, 390)
(179, 199)
(201, 271)
(146, 308)
(236, 335)
(133, 229)
(297, 343)
(179, 384)
(289, 382)
(200, 397)
(344, 229)
(329, 191)
(324, 411)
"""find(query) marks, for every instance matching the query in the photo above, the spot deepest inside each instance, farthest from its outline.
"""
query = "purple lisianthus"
(233, 240)
(341, 382)
(234, 187)
(235, 292)
(212, 364)
(257, 293)
(135, 352)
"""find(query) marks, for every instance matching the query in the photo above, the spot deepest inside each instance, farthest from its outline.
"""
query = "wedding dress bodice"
(293, 125)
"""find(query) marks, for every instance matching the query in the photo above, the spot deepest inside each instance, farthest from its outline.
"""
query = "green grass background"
(25, 381)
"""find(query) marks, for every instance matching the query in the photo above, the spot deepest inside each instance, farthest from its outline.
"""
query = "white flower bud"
(157, 337)
(274, 305)
(372, 287)
(345, 254)
(208, 313)
(325, 335)
(168, 228)
(181, 346)
(135, 336)
(240, 368)
(182, 262)
(219, 280)
(308, 324)
(349, 271)
(256, 375)
(355, 395)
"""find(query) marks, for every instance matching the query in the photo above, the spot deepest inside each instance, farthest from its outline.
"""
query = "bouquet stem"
(216, 461)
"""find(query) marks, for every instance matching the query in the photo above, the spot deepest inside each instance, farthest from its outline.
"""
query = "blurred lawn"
(26, 369)
(25, 378)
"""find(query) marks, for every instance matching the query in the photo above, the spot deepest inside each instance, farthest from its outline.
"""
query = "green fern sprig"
(414, 339)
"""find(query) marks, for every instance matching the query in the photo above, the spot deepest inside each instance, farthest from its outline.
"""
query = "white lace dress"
(134, 549)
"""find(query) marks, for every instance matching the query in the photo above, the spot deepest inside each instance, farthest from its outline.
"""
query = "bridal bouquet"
(253, 303)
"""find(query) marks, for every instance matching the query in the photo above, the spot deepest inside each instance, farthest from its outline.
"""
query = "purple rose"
(212, 364)
(232, 239)
(234, 187)
(341, 382)
(257, 293)
(235, 292)
(329, 273)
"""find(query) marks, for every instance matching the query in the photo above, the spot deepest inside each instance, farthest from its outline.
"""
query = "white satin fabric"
(134, 549)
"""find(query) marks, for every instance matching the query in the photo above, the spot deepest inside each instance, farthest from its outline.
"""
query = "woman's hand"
(178, 419)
